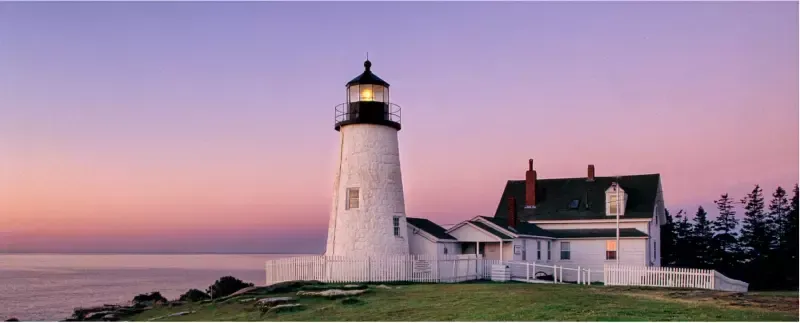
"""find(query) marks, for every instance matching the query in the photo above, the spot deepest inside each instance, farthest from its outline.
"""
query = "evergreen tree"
(756, 241)
(792, 242)
(726, 238)
(755, 226)
(683, 246)
(702, 236)
(779, 257)
(779, 209)
(668, 241)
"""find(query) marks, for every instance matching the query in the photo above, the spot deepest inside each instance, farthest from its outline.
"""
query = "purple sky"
(208, 126)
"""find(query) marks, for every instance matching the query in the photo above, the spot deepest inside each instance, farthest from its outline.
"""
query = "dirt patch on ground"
(780, 303)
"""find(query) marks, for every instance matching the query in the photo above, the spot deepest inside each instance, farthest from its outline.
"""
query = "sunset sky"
(208, 126)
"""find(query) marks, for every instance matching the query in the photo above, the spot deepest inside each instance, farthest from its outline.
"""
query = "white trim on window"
(611, 250)
(352, 198)
(538, 249)
(565, 251)
(396, 225)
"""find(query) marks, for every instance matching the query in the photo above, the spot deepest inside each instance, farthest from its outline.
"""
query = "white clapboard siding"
(670, 277)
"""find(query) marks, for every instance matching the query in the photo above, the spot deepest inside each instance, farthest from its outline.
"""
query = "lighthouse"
(368, 216)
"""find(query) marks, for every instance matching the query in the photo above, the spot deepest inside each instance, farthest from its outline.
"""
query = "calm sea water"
(46, 287)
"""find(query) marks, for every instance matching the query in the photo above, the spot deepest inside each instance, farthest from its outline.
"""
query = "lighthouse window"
(396, 225)
(352, 198)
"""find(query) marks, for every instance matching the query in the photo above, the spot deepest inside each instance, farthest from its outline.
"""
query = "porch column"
(501, 250)
(477, 248)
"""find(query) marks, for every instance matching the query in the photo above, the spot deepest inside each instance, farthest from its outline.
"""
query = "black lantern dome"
(368, 102)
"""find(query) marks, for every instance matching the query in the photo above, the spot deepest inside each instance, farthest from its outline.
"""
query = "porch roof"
(491, 230)
(430, 227)
(597, 233)
(522, 228)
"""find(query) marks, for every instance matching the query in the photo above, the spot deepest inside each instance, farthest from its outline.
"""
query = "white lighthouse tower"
(368, 216)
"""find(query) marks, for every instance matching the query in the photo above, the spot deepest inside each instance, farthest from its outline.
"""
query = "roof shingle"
(430, 227)
(553, 198)
(491, 230)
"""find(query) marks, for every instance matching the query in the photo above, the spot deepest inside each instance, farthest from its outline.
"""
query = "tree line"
(760, 249)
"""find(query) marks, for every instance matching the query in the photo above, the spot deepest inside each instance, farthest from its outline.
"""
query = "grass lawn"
(512, 302)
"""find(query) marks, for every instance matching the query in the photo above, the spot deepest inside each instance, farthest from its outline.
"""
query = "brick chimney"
(530, 186)
(590, 174)
(512, 212)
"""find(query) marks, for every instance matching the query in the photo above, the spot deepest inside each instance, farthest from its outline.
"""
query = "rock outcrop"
(332, 293)
(105, 312)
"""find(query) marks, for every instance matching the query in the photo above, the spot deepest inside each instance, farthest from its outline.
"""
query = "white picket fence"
(670, 277)
(459, 268)
(412, 268)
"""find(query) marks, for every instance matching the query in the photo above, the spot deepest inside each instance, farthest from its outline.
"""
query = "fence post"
(589, 279)
(713, 279)
(579, 275)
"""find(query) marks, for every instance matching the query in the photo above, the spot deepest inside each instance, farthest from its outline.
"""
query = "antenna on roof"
(367, 55)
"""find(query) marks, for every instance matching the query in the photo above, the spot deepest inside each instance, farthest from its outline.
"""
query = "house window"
(538, 250)
(445, 250)
(548, 251)
(615, 200)
(524, 250)
(611, 249)
(396, 225)
(612, 204)
(352, 198)
(564, 250)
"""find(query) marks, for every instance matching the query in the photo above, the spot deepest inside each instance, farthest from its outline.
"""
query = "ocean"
(46, 287)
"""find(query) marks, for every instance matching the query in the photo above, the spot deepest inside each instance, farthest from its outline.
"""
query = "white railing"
(670, 277)
(528, 271)
(414, 268)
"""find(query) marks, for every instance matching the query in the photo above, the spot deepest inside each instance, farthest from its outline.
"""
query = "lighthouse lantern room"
(368, 102)
(368, 211)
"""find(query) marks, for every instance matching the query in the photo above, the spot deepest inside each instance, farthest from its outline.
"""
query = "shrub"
(225, 286)
(193, 295)
(154, 297)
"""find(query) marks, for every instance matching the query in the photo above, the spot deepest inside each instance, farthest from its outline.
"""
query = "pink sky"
(209, 126)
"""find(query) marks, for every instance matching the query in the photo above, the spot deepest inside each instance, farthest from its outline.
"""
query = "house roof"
(534, 230)
(522, 228)
(491, 230)
(597, 233)
(430, 227)
(553, 198)
(531, 229)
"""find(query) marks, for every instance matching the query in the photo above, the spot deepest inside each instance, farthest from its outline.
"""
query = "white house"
(565, 221)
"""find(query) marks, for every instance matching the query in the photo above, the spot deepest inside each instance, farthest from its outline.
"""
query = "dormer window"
(616, 199)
